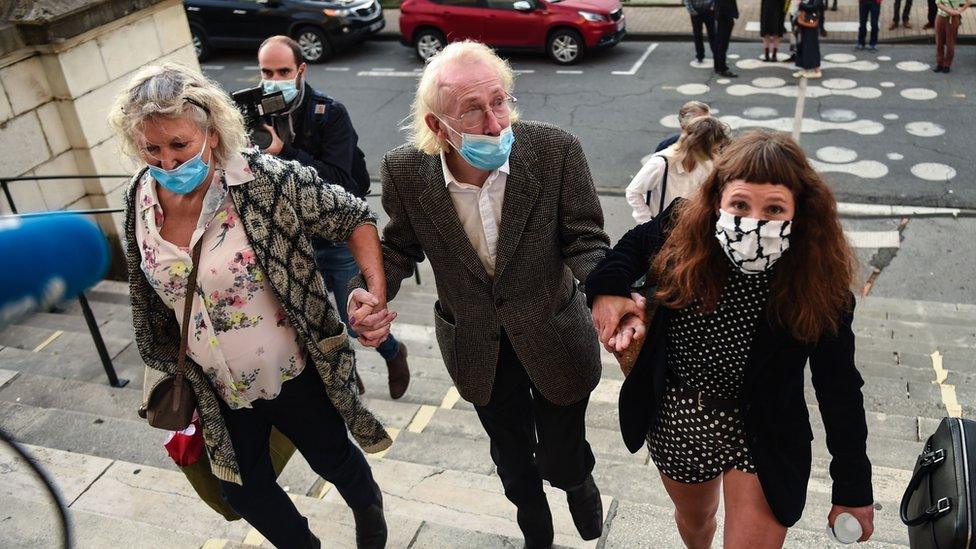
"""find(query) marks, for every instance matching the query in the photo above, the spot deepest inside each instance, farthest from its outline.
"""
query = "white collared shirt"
(480, 210)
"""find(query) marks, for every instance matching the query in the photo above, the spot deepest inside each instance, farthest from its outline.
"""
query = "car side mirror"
(522, 5)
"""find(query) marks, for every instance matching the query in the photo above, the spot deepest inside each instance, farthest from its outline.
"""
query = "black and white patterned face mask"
(752, 244)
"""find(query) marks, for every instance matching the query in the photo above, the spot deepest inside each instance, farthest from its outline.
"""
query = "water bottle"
(846, 529)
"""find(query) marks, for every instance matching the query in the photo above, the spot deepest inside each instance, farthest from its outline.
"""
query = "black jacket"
(726, 9)
(775, 412)
(325, 140)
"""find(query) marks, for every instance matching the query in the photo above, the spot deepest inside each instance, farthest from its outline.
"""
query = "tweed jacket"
(551, 229)
(280, 209)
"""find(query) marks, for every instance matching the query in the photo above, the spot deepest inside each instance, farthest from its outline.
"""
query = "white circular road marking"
(933, 171)
(836, 155)
(768, 82)
(895, 156)
(924, 129)
(887, 84)
(839, 115)
(840, 57)
(891, 116)
(760, 112)
(692, 89)
(839, 84)
(919, 94)
(913, 66)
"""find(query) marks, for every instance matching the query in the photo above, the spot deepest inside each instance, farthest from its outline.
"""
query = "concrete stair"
(439, 484)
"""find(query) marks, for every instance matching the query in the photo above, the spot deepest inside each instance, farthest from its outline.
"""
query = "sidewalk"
(672, 22)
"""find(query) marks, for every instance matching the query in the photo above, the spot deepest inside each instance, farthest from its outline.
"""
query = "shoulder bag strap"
(191, 288)
(664, 185)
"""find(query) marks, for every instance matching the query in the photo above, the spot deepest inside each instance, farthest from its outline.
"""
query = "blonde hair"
(427, 99)
(171, 90)
(703, 136)
(691, 110)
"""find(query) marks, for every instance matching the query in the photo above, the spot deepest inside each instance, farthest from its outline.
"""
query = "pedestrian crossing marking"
(874, 239)
(953, 409)
(421, 418)
(214, 543)
(451, 398)
(253, 538)
(320, 489)
(48, 341)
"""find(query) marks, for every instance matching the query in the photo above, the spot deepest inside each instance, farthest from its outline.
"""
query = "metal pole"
(96, 334)
(10, 198)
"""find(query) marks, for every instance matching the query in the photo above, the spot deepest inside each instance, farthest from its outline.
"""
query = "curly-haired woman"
(753, 276)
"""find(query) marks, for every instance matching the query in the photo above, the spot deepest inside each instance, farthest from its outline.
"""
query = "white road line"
(526, 71)
(569, 72)
(633, 70)
(850, 208)
(252, 68)
(831, 26)
(212, 67)
(337, 69)
(874, 239)
(388, 73)
(801, 94)
(382, 70)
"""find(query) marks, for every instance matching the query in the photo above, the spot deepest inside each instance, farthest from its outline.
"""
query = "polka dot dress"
(708, 352)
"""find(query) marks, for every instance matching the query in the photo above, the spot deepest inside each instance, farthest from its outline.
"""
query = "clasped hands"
(369, 317)
(619, 320)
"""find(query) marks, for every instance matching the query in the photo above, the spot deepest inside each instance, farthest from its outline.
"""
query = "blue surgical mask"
(184, 178)
(486, 152)
(288, 88)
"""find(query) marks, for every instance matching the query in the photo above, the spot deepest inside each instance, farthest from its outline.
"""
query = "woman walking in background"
(678, 170)
(771, 27)
(808, 56)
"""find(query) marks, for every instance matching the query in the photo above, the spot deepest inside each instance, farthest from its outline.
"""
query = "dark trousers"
(304, 414)
(904, 14)
(723, 34)
(531, 438)
(932, 10)
(707, 20)
(865, 9)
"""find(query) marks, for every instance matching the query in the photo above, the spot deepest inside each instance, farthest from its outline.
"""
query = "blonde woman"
(264, 346)
(678, 170)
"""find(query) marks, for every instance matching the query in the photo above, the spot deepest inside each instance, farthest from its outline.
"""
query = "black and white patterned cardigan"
(280, 208)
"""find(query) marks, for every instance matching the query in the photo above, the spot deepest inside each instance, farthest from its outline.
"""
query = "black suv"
(318, 26)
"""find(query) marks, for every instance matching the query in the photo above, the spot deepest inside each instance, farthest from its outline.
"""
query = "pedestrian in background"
(677, 171)
(930, 15)
(771, 27)
(753, 280)
(905, 15)
(808, 58)
(866, 9)
(726, 12)
(688, 111)
(946, 30)
(702, 15)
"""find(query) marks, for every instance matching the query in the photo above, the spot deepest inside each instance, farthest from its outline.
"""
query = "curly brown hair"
(811, 283)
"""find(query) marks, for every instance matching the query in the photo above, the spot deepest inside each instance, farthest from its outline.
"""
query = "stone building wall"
(54, 99)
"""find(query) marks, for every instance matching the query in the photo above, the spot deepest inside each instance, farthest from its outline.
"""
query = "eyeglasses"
(474, 118)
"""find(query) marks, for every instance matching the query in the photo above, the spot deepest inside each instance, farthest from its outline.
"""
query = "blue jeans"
(873, 9)
(338, 267)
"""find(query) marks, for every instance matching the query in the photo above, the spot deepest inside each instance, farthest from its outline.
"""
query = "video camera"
(257, 108)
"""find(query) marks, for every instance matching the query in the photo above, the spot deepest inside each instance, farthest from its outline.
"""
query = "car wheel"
(565, 46)
(315, 47)
(428, 42)
(200, 45)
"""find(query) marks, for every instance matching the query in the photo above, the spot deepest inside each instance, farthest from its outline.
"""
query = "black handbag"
(939, 505)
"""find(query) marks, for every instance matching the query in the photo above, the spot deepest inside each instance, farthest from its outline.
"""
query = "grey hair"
(691, 110)
(427, 98)
(172, 90)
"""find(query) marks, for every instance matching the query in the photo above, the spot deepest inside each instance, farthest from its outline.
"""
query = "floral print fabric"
(239, 334)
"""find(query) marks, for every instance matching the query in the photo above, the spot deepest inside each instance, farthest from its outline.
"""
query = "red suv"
(566, 29)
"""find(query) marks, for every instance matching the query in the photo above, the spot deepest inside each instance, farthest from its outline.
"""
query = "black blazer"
(726, 10)
(775, 412)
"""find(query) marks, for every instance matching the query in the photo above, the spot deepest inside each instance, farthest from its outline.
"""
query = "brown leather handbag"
(171, 402)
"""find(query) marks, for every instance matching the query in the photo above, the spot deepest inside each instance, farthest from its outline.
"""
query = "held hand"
(632, 328)
(608, 310)
(276, 142)
(369, 317)
(864, 515)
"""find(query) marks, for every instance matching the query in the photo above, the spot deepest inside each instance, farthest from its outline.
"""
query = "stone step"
(86, 367)
(58, 342)
(910, 309)
(453, 498)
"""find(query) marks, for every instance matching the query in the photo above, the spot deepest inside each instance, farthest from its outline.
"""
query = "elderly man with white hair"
(508, 216)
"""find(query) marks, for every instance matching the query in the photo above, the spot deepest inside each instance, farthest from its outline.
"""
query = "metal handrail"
(10, 199)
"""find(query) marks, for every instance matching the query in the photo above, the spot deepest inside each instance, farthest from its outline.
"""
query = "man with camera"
(316, 131)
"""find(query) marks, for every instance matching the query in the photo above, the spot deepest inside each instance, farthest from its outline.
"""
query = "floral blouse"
(239, 335)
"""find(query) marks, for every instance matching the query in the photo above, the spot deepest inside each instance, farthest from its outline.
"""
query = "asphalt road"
(884, 128)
